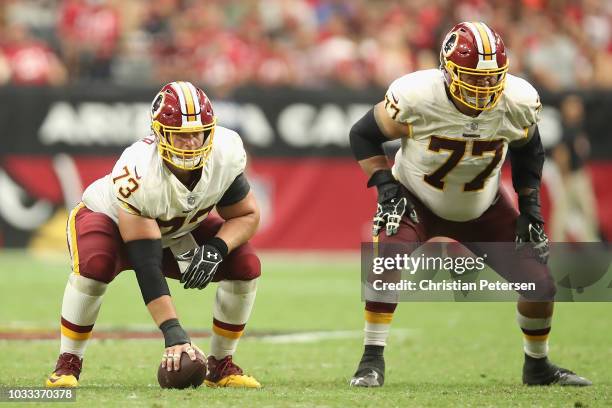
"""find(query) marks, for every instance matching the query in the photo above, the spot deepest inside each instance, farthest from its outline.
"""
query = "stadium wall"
(313, 195)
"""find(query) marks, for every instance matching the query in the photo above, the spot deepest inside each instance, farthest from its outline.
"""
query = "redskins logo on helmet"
(180, 107)
(474, 61)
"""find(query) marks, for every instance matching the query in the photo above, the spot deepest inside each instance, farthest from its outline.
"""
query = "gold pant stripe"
(74, 250)
(227, 333)
(71, 334)
(373, 317)
(542, 337)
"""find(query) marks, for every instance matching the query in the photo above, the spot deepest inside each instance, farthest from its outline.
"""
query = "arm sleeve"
(146, 258)
(527, 162)
(366, 137)
(236, 191)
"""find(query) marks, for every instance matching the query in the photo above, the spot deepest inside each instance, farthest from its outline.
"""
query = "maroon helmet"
(180, 107)
(474, 61)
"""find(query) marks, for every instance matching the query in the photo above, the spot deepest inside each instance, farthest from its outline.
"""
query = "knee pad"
(99, 267)
(246, 267)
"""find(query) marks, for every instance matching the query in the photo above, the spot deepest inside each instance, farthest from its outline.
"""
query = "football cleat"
(540, 371)
(66, 373)
(224, 373)
(370, 373)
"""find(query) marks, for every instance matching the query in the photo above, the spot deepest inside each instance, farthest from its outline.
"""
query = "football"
(191, 373)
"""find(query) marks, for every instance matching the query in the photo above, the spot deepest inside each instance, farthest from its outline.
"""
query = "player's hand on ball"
(171, 359)
(391, 205)
(204, 262)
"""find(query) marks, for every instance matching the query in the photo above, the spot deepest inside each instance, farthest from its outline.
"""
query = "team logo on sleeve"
(450, 43)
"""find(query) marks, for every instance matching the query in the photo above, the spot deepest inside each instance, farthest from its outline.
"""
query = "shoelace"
(227, 364)
(71, 364)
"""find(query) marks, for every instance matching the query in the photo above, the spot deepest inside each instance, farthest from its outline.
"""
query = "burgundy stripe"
(378, 307)
(76, 328)
(538, 332)
(227, 326)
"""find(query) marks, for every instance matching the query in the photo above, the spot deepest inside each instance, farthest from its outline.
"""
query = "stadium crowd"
(306, 43)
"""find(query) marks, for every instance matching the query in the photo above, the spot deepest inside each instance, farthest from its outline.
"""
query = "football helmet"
(180, 107)
(474, 62)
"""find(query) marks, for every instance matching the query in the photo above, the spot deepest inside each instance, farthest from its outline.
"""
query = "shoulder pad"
(407, 94)
(523, 101)
(228, 148)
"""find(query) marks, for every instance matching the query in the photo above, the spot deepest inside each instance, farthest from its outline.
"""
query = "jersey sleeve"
(400, 100)
(236, 158)
(525, 105)
(127, 178)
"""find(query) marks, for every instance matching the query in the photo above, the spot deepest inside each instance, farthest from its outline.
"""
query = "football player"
(456, 125)
(152, 214)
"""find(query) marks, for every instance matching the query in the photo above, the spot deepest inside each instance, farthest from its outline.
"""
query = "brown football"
(191, 373)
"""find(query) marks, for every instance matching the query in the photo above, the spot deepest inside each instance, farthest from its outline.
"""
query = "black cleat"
(371, 371)
(540, 371)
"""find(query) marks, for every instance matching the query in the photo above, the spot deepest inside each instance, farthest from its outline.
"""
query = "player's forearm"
(162, 309)
(237, 231)
(164, 314)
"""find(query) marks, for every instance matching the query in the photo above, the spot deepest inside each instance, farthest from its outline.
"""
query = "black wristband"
(381, 177)
(529, 205)
(173, 333)
(219, 244)
(528, 201)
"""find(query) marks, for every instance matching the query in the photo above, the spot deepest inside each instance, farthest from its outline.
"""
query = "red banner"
(307, 204)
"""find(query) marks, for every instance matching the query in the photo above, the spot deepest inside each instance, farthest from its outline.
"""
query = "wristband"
(219, 244)
(173, 333)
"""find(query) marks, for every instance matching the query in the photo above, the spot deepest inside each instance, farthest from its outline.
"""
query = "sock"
(233, 304)
(378, 318)
(80, 307)
(535, 332)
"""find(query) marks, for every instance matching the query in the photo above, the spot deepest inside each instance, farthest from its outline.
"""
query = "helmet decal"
(158, 102)
(450, 43)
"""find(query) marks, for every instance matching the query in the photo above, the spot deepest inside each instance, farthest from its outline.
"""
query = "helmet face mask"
(181, 108)
(474, 63)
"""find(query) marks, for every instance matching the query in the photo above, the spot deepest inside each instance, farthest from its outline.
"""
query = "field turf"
(303, 343)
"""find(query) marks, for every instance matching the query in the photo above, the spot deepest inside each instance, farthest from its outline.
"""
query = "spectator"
(89, 32)
(312, 43)
(574, 212)
(28, 60)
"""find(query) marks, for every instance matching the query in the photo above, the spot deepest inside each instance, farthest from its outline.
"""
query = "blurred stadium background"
(291, 76)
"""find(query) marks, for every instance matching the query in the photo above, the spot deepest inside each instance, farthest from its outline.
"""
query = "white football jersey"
(452, 161)
(142, 184)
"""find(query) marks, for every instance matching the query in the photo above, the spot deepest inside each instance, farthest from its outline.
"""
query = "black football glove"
(204, 261)
(530, 226)
(391, 205)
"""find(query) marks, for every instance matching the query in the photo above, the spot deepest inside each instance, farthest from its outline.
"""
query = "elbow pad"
(146, 258)
(527, 163)
(366, 137)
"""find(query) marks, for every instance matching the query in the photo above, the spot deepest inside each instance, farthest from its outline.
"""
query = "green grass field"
(439, 354)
